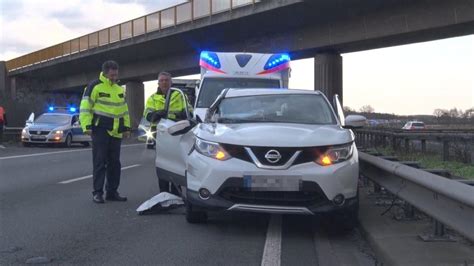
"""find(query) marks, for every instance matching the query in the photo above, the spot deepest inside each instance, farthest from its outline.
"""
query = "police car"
(59, 126)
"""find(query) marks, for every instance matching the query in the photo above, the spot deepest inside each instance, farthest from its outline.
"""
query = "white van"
(238, 70)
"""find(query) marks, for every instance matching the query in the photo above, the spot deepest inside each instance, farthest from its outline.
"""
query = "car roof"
(265, 91)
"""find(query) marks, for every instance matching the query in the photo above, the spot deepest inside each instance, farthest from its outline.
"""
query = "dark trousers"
(106, 161)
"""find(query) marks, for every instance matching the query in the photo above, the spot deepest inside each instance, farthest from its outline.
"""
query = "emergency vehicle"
(60, 125)
(238, 70)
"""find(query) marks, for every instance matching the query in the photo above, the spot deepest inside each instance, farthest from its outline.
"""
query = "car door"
(172, 150)
(76, 130)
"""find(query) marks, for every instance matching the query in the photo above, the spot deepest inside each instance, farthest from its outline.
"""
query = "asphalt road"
(46, 212)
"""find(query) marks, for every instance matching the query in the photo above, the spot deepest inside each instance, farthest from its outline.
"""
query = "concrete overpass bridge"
(171, 40)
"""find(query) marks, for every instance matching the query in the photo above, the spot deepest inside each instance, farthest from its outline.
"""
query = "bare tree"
(366, 109)
(348, 110)
(439, 112)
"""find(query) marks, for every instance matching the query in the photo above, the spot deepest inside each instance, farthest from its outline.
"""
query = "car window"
(418, 124)
(57, 119)
(74, 120)
(281, 108)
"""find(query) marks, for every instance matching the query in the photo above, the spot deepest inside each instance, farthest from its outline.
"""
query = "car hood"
(45, 127)
(275, 134)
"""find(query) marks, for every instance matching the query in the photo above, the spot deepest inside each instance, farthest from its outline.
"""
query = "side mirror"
(355, 121)
(76, 124)
(179, 128)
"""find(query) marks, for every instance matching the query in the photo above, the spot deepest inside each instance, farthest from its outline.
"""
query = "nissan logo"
(273, 156)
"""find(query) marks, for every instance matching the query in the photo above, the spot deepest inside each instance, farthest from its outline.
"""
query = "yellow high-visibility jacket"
(103, 105)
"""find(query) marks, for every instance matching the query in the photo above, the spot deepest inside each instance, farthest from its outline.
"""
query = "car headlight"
(24, 131)
(335, 155)
(211, 149)
(58, 132)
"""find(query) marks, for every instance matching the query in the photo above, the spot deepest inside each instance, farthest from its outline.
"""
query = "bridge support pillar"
(135, 96)
(328, 74)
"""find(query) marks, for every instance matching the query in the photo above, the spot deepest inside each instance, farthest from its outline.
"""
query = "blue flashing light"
(51, 108)
(72, 109)
(211, 58)
(277, 60)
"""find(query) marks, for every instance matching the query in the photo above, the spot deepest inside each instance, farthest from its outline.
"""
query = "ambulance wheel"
(193, 216)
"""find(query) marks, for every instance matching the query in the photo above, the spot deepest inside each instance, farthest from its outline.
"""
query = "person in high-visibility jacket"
(155, 110)
(104, 116)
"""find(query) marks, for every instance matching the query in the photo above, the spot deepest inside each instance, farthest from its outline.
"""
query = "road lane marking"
(58, 152)
(272, 250)
(90, 176)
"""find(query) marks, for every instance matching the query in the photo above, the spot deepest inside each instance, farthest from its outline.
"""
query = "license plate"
(272, 183)
(38, 137)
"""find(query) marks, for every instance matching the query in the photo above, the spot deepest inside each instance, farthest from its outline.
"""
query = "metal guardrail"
(179, 14)
(378, 137)
(447, 201)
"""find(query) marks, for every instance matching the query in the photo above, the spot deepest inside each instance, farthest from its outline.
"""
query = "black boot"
(115, 197)
(97, 198)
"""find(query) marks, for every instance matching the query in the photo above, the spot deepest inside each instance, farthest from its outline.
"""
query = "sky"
(406, 80)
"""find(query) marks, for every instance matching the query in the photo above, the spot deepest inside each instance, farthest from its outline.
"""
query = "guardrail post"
(423, 146)
(439, 233)
(445, 150)
(407, 145)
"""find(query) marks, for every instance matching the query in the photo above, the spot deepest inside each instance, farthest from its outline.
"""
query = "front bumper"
(45, 139)
(218, 203)
(211, 174)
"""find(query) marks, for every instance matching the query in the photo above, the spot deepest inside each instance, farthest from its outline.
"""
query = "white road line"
(58, 152)
(272, 251)
(90, 176)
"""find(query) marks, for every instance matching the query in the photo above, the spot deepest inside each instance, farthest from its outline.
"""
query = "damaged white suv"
(263, 150)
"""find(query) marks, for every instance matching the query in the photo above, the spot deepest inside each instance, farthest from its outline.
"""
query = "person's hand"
(157, 115)
(88, 132)
(126, 134)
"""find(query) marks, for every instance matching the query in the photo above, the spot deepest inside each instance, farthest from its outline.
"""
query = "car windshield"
(56, 119)
(281, 108)
(212, 87)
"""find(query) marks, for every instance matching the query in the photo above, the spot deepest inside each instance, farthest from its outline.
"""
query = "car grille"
(307, 154)
(39, 132)
(310, 195)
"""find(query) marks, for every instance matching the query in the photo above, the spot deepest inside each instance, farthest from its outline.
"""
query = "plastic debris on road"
(159, 203)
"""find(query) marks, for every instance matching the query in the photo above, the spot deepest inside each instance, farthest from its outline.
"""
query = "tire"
(195, 217)
(347, 219)
(86, 144)
(26, 144)
(68, 141)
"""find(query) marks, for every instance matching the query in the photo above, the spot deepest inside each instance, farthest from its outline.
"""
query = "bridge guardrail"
(182, 13)
(447, 201)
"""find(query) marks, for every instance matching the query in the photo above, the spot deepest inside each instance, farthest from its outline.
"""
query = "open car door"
(174, 141)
